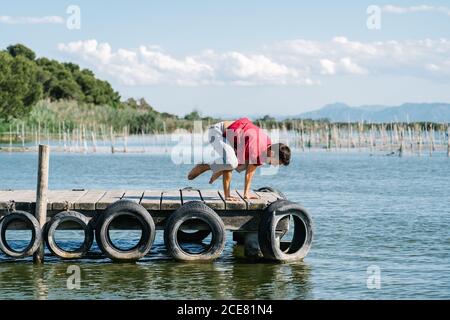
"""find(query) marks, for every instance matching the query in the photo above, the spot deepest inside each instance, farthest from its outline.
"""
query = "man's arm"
(251, 168)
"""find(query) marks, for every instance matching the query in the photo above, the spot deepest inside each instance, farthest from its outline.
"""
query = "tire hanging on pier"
(274, 190)
(197, 236)
(239, 237)
(33, 225)
(194, 211)
(119, 209)
(270, 239)
(74, 217)
(192, 237)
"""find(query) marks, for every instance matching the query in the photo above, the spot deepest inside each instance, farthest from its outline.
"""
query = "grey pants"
(227, 157)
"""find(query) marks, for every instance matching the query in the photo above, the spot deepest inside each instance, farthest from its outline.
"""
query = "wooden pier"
(237, 215)
(185, 215)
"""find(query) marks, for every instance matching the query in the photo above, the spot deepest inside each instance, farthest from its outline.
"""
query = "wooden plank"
(253, 204)
(56, 196)
(213, 199)
(87, 201)
(23, 199)
(269, 197)
(64, 199)
(109, 197)
(5, 197)
(239, 204)
(190, 195)
(171, 200)
(133, 195)
(151, 200)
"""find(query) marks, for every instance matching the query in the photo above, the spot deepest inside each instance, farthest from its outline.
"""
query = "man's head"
(279, 154)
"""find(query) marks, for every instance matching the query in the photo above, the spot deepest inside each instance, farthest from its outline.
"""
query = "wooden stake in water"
(23, 135)
(402, 147)
(125, 139)
(94, 143)
(448, 141)
(41, 196)
(10, 137)
(329, 137)
(165, 138)
(419, 132)
(302, 141)
(112, 139)
(143, 140)
(430, 140)
(84, 139)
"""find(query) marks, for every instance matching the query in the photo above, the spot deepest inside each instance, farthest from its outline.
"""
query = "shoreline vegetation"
(42, 99)
(71, 127)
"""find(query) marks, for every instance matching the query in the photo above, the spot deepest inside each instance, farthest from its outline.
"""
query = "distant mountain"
(412, 112)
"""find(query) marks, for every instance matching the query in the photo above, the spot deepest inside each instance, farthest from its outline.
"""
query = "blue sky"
(243, 58)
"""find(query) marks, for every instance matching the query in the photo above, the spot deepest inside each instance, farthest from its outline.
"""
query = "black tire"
(197, 236)
(72, 216)
(280, 194)
(121, 208)
(269, 240)
(36, 234)
(194, 210)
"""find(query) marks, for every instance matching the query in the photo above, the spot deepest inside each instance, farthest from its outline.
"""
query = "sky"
(235, 58)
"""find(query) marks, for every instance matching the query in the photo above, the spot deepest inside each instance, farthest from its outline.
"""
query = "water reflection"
(265, 280)
(156, 278)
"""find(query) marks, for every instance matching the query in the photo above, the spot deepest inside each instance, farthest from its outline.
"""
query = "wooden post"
(302, 141)
(112, 139)
(41, 197)
(402, 145)
(23, 136)
(10, 138)
(448, 141)
(329, 137)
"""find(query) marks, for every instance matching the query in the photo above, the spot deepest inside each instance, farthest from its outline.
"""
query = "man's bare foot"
(215, 176)
(231, 198)
(198, 170)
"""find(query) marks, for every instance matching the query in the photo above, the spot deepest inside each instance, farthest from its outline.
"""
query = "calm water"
(388, 212)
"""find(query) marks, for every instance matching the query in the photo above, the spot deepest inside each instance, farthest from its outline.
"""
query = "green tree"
(21, 50)
(65, 89)
(19, 86)
(144, 105)
(194, 115)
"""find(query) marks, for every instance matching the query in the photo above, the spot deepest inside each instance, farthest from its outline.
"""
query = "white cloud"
(295, 62)
(420, 8)
(148, 65)
(328, 66)
(32, 20)
(343, 56)
(351, 67)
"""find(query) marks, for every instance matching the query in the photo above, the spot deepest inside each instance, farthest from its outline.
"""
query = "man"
(242, 146)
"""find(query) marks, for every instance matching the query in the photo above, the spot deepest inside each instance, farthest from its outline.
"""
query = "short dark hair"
(284, 152)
